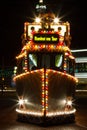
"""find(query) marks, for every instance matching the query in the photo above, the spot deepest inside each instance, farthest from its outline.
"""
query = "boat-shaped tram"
(45, 81)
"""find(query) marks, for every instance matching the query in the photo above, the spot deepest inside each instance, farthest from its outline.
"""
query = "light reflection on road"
(25, 126)
(8, 118)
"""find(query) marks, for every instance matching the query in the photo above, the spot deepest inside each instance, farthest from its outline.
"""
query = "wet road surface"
(8, 117)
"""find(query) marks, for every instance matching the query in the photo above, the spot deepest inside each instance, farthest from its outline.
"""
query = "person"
(59, 30)
(61, 37)
(67, 39)
(32, 30)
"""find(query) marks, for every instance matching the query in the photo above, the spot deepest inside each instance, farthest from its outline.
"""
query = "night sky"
(14, 13)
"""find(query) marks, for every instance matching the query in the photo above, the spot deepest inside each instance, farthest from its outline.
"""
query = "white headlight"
(69, 103)
(21, 102)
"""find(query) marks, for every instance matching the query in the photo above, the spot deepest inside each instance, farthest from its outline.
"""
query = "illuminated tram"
(45, 81)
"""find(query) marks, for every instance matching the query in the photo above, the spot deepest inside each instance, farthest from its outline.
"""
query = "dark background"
(14, 13)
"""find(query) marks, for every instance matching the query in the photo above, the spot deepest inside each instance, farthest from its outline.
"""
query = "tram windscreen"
(45, 60)
(58, 60)
(32, 61)
(52, 61)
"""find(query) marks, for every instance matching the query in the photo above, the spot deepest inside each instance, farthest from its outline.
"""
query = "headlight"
(21, 102)
(69, 103)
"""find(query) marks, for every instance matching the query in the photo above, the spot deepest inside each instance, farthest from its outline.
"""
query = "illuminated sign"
(46, 38)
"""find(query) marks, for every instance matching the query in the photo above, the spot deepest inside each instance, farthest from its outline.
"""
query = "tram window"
(23, 65)
(70, 66)
(32, 61)
(46, 60)
(20, 66)
(58, 60)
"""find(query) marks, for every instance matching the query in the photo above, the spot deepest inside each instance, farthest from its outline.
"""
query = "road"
(8, 117)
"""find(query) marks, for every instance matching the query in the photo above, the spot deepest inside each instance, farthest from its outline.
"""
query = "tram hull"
(45, 96)
(47, 121)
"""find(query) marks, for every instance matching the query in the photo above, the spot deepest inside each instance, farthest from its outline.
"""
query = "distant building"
(6, 77)
(81, 65)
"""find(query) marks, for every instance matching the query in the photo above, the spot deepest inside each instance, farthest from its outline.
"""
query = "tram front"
(45, 73)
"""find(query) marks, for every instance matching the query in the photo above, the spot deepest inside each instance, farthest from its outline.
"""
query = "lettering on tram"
(46, 38)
